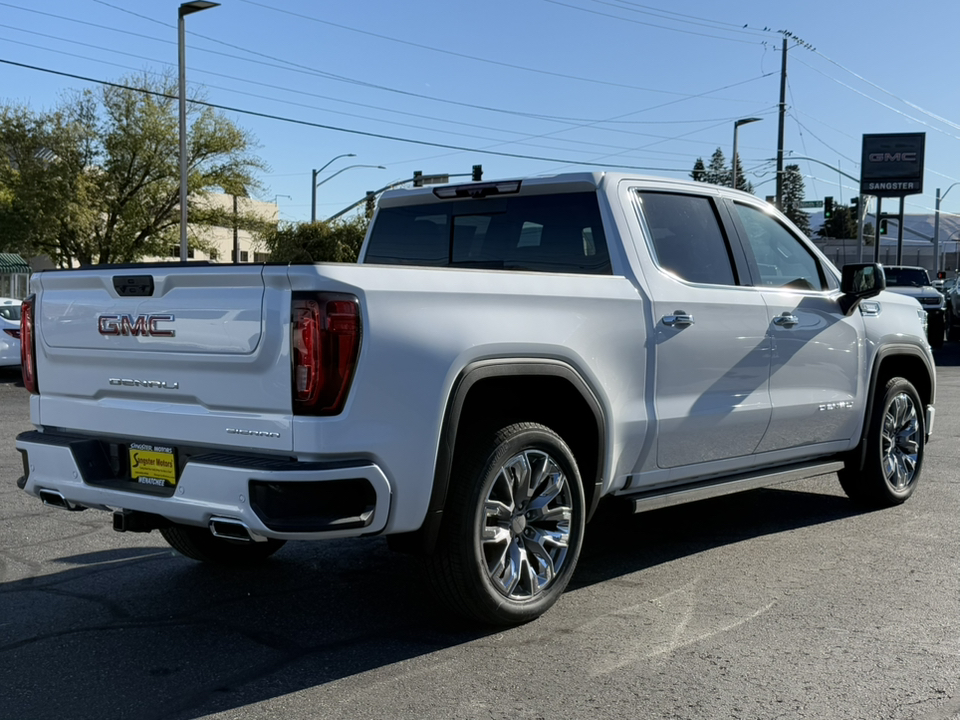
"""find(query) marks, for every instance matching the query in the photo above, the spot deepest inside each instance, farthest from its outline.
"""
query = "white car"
(9, 332)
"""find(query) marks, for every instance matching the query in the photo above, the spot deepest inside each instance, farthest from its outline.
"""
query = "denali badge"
(158, 384)
(843, 405)
(253, 433)
(145, 325)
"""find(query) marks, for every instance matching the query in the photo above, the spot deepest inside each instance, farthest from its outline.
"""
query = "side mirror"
(860, 281)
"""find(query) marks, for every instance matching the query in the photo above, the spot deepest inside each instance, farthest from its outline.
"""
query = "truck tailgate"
(203, 344)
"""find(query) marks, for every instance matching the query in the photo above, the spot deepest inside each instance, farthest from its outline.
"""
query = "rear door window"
(687, 237)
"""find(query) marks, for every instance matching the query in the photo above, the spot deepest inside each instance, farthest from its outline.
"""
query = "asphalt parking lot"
(779, 603)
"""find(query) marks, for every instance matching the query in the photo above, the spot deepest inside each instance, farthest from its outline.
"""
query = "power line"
(878, 102)
(640, 22)
(522, 139)
(916, 107)
(735, 26)
(333, 128)
(687, 19)
(295, 67)
(453, 53)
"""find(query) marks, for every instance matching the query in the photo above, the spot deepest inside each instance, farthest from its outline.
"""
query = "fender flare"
(860, 451)
(468, 377)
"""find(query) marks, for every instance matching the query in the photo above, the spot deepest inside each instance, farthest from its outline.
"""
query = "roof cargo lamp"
(478, 190)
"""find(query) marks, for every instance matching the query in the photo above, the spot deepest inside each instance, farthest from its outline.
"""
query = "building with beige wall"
(220, 239)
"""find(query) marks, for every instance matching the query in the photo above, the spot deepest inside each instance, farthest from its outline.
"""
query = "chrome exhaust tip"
(232, 529)
(55, 499)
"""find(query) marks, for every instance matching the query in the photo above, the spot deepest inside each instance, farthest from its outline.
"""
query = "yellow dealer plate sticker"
(153, 464)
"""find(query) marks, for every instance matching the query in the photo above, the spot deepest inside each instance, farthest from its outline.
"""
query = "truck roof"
(541, 184)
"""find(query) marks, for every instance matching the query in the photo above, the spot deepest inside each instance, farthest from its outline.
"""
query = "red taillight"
(15, 333)
(325, 335)
(28, 350)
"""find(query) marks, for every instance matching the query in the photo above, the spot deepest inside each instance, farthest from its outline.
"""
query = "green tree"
(742, 182)
(793, 194)
(699, 171)
(843, 224)
(97, 180)
(46, 192)
(717, 172)
(337, 241)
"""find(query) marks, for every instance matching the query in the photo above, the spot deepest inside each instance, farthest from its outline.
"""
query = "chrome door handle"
(678, 319)
(786, 320)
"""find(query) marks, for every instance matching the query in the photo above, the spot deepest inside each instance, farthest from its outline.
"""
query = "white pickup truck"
(504, 356)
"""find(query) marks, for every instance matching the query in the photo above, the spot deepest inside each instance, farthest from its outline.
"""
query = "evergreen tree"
(717, 172)
(699, 171)
(742, 182)
(793, 196)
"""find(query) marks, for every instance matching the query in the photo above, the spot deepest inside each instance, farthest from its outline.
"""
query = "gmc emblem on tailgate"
(145, 325)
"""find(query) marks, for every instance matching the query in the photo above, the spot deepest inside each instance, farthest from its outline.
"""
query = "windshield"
(10, 312)
(910, 277)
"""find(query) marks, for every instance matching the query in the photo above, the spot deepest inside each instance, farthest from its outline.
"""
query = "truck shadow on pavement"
(138, 631)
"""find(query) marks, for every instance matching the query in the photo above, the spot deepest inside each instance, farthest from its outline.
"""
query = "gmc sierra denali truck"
(503, 356)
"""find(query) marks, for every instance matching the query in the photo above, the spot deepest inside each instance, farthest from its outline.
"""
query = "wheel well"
(909, 367)
(496, 395)
(548, 400)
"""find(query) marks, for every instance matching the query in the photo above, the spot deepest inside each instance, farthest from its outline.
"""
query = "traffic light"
(883, 226)
(855, 206)
(827, 207)
(477, 173)
(371, 203)
(418, 178)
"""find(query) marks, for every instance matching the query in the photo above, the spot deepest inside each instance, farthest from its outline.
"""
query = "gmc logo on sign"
(145, 325)
(910, 157)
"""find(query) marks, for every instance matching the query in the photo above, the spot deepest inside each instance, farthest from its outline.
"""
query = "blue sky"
(526, 86)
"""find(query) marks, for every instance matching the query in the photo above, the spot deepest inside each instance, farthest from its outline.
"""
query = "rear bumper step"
(239, 498)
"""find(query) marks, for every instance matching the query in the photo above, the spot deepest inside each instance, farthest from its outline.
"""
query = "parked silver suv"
(915, 282)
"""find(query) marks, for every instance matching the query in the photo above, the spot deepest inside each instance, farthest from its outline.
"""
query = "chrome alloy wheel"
(900, 442)
(526, 525)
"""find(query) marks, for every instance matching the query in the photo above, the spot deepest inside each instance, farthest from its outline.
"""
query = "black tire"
(512, 526)
(894, 449)
(200, 544)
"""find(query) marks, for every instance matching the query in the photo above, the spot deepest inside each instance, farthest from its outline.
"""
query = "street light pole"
(276, 199)
(185, 9)
(313, 214)
(313, 185)
(736, 127)
(936, 227)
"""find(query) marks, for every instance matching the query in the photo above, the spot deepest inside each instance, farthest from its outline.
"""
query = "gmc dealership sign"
(892, 165)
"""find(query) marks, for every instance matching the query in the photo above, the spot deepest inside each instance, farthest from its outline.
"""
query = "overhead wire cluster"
(543, 136)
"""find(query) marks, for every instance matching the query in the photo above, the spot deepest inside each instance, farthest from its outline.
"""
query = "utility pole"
(236, 232)
(783, 116)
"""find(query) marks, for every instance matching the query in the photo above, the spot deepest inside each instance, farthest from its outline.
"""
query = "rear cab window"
(540, 233)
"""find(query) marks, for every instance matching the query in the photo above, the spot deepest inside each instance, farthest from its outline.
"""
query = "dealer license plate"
(153, 464)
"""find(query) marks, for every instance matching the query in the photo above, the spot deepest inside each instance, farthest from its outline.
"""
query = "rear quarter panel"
(422, 326)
